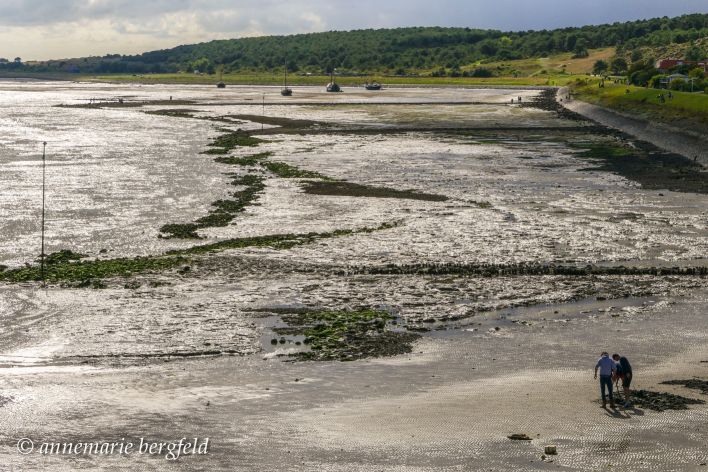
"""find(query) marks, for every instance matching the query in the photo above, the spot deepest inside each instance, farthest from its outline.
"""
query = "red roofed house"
(666, 64)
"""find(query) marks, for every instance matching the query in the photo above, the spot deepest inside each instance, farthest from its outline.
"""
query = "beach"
(458, 260)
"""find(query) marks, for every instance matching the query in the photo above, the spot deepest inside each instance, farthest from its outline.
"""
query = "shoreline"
(687, 143)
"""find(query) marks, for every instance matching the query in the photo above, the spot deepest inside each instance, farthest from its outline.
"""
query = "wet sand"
(188, 353)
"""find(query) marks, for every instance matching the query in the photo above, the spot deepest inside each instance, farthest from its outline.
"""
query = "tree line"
(396, 51)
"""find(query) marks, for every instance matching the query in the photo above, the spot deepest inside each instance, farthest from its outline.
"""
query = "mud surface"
(469, 258)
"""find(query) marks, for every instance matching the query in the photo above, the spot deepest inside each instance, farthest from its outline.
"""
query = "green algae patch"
(179, 231)
(604, 151)
(59, 257)
(286, 171)
(279, 169)
(250, 160)
(235, 139)
(89, 271)
(278, 241)
(223, 212)
(346, 335)
(348, 189)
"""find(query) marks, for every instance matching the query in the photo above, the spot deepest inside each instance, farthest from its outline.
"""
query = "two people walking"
(613, 370)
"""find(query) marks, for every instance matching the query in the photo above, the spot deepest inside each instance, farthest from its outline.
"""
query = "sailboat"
(285, 91)
(221, 83)
(333, 86)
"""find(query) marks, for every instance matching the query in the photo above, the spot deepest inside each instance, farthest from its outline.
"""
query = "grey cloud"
(38, 12)
(279, 16)
(130, 26)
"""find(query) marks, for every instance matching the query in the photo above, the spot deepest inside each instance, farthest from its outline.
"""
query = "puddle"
(486, 322)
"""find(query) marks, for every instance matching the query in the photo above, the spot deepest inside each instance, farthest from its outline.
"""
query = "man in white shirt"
(607, 368)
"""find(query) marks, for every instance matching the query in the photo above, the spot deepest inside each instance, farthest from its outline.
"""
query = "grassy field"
(559, 64)
(684, 109)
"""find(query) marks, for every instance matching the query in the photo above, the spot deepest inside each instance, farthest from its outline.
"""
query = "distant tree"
(580, 52)
(581, 48)
(636, 55)
(678, 84)
(695, 54)
(656, 81)
(697, 73)
(441, 72)
(570, 42)
(488, 48)
(618, 65)
(481, 72)
(18, 60)
(199, 65)
(3, 60)
(600, 67)
(640, 73)
(681, 69)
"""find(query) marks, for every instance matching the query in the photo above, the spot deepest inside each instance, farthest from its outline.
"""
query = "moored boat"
(333, 86)
(285, 91)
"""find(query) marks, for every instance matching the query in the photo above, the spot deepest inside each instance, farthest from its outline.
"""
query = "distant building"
(665, 64)
(666, 81)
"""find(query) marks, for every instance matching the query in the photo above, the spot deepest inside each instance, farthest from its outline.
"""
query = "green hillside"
(422, 50)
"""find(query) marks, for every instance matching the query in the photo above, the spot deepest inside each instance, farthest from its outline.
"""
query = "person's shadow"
(616, 413)
(624, 413)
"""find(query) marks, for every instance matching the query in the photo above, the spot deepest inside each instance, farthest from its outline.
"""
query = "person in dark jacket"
(623, 372)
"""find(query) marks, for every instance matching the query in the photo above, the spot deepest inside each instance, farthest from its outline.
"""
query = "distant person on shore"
(623, 371)
(607, 368)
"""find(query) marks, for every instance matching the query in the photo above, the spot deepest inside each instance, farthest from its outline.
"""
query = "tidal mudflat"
(394, 280)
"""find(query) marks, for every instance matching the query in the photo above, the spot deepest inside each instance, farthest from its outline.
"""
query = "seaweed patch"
(346, 335)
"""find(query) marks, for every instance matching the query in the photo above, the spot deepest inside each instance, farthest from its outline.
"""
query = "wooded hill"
(392, 51)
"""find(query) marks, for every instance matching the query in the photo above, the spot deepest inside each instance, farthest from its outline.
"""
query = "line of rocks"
(520, 269)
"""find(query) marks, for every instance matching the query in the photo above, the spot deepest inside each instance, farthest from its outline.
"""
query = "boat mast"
(44, 181)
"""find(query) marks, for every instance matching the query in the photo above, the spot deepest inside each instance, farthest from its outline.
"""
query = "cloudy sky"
(44, 29)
